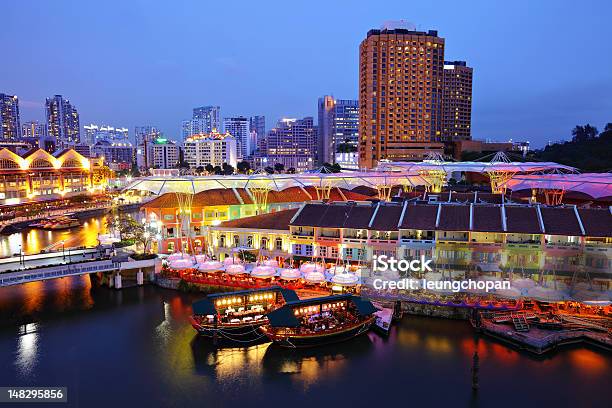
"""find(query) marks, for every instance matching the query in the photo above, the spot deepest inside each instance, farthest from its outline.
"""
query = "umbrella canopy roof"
(290, 273)
(596, 185)
(186, 263)
(337, 269)
(346, 279)
(210, 266)
(270, 262)
(314, 276)
(473, 167)
(311, 267)
(235, 269)
(350, 179)
(263, 271)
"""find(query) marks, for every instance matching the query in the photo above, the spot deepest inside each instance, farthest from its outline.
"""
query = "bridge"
(108, 266)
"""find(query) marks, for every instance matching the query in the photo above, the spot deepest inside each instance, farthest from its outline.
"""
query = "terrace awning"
(596, 185)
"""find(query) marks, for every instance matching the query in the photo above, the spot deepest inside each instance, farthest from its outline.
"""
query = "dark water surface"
(135, 348)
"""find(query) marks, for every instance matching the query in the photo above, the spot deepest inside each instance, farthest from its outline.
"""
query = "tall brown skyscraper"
(456, 103)
(400, 95)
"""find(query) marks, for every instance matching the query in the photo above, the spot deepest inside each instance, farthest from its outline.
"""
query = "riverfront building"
(213, 207)
(514, 238)
(38, 174)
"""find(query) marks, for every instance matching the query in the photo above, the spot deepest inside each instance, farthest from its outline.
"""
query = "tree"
(135, 171)
(582, 133)
(218, 170)
(228, 169)
(200, 169)
(291, 170)
(209, 168)
(279, 167)
(269, 169)
(608, 127)
(243, 167)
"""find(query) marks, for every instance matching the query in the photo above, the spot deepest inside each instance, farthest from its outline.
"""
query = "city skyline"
(516, 93)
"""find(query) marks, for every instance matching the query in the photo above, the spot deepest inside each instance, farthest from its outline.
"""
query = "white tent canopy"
(596, 185)
(349, 180)
(473, 167)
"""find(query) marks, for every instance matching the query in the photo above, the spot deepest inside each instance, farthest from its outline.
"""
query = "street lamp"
(64, 250)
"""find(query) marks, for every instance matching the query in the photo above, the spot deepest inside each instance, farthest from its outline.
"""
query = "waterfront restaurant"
(37, 175)
(213, 207)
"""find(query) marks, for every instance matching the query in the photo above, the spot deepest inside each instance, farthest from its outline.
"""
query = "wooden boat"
(57, 223)
(318, 321)
(236, 316)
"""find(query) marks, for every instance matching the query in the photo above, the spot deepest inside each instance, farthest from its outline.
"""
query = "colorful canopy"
(235, 269)
(473, 167)
(596, 185)
(290, 273)
(314, 277)
(345, 279)
(263, 271)
(350, 179)
(209, 266)
(311, 267)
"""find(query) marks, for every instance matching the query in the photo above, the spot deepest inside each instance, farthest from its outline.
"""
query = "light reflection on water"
(32, 241)
(143, 336)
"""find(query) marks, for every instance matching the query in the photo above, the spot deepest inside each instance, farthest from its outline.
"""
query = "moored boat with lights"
(236, 316)
(319, 321)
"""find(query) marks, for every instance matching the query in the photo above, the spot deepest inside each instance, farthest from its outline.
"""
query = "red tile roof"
(278, 220)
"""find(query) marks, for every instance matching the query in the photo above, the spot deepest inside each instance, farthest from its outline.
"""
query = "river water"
(135, 348)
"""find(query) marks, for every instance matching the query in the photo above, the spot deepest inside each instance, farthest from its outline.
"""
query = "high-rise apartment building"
(456, 103)
(211, 116)
(338, 127)
(213, 148)
(33, 130)
(293, 143)
(258, 129)
(10, 128)
(62, 121)
(95, 133)
(400, 94)
(240, 128)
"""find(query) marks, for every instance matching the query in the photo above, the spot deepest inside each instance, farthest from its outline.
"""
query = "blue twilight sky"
(540, 67)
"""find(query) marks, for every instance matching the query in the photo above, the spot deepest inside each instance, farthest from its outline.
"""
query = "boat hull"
(312, 340)
(234, 333)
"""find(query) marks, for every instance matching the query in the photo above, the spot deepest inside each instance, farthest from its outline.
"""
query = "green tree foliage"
(279, 167)
(587, 151)
(243, 167)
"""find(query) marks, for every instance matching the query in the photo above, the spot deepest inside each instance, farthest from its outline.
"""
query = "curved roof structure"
(277, 182)
(596, 185)
(474, 167)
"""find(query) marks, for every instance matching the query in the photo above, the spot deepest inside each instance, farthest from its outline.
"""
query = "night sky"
(540, 67)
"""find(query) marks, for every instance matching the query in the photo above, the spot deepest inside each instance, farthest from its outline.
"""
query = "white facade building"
(213, 148)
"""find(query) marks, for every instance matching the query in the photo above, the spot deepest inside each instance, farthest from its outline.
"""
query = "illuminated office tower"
(338, 127)
(292, 143)
(211, 115)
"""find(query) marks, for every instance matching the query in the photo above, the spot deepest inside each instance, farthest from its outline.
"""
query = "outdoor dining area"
(315, 275)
